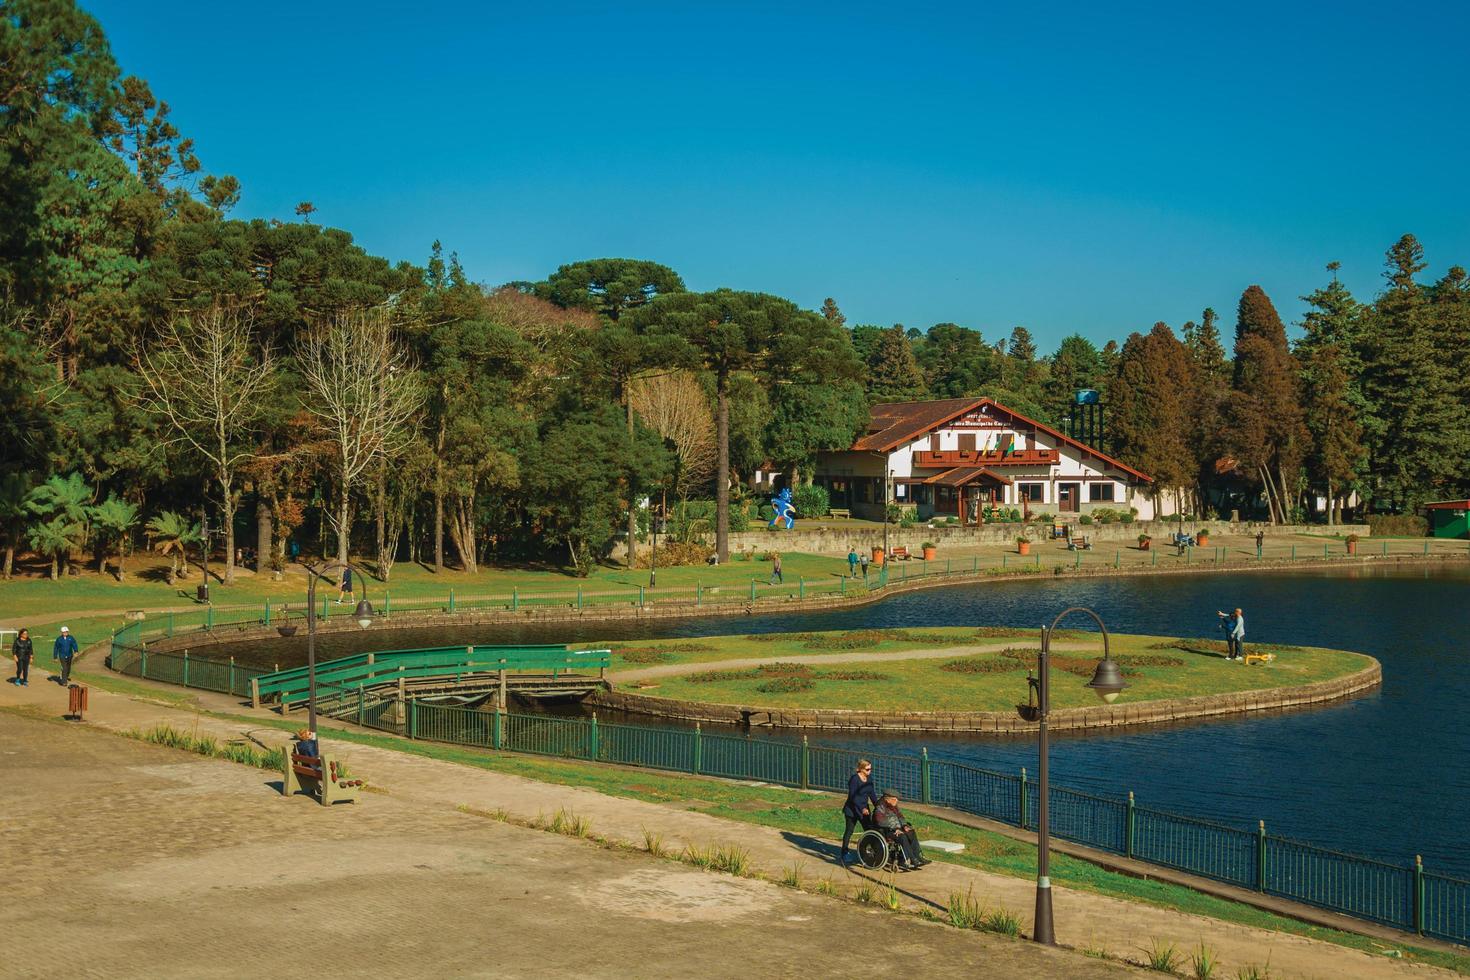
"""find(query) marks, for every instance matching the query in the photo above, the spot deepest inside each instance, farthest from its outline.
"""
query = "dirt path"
(742, 663)
(1084, 920)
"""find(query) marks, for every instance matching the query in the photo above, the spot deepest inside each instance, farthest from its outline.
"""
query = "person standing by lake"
(776, 577)
(63, 650)
(852, 562)
(1234, 634)
(22, 650)
(862, 800)
(1260, 541)
(346, 588)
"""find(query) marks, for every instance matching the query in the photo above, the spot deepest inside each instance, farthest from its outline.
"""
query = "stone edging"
(998, 722)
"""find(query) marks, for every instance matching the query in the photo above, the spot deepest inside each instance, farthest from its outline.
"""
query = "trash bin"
(76, 701)
(203, 592)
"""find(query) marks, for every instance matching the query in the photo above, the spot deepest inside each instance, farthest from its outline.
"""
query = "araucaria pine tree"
(1267, 434)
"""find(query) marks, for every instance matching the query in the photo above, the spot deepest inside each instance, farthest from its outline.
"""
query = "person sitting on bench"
(889, 817)
(306, 744)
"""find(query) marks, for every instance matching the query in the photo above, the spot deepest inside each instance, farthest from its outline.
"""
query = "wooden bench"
(304, 774)
(901, 553)
(839, 512)
(1079, 542)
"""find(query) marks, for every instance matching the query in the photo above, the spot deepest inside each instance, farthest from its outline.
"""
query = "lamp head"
(363, 614)
(1107, 680)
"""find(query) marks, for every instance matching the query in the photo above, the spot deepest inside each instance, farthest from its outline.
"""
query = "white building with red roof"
(958, 457)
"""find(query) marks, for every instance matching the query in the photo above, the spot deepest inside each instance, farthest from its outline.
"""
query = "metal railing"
(1406, 897)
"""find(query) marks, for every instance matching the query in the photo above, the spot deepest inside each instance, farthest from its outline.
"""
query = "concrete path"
(835, 657)
(435, 790)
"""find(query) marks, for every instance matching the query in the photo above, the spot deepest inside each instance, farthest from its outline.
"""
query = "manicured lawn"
(1155, 668)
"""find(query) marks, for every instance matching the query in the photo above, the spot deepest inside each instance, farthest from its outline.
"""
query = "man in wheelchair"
(892, 838)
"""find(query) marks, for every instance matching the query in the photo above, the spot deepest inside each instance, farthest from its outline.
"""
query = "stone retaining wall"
(997, 722)
(837, 540)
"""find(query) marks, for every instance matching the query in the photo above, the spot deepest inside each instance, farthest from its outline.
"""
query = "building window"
(1034, 493)
(1100, 492)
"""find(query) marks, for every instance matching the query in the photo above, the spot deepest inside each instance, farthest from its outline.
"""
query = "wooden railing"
(985, 457)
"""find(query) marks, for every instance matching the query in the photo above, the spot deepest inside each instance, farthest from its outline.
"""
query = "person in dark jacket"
(22, 651)
(63, 650)
(306, 744)
(862, 799)
(890, 818)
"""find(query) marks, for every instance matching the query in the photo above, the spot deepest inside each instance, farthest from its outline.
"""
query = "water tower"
(1085, 421)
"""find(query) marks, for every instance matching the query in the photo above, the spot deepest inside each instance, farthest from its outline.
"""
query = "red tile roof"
(961, 475)
(894, 423)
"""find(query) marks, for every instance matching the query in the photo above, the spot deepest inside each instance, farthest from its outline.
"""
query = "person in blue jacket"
(63, 650)
(862, 800)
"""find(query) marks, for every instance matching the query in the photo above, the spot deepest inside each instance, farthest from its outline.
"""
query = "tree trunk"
(380, 506)
(632, 491)
(229, 504)
(722, 465)
(462, 531)
(1265, 476)
(1331, 505)
(122, 550)
(264, 534)
(9, 560)
(173, 568)
(439, 500)
(343, 500)
(54, 575)
(1281, 486)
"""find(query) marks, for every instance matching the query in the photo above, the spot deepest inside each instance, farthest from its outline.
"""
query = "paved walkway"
(432, 792)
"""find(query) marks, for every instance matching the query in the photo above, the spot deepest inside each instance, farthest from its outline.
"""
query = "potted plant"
(878, 556)
(1023, 545)
(1352, 544)
(1202, 538)
(1144, 541)
(929, 550)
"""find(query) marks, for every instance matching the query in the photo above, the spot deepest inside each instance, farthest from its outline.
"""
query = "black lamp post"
(203, 591)
(1107, 683)
(363, 614)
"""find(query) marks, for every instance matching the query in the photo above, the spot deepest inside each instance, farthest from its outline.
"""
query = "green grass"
(817, 815)
(1154, 667)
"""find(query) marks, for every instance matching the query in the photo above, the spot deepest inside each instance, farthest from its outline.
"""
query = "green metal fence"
(1405, 897)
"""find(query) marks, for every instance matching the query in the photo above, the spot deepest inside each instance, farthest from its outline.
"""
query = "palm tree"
(172, 534)
(62, 502)
(114, 518)
(56, 537)
(14, 489)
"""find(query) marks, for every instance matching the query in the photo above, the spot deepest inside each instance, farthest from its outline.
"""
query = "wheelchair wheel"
(872, 851)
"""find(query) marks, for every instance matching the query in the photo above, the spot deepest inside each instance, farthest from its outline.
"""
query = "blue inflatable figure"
(785, 510)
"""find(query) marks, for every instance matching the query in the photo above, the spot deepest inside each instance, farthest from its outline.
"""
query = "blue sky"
(1071, 167)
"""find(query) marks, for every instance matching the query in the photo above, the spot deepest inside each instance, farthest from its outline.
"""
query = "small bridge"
(352, 683)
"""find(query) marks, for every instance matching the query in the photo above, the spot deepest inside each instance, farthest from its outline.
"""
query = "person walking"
(852, 562)
(862, 800)
(776, 578)
(1260, 541)
(1234, 635)
(865, 567)
(346, 588)
(22, 651)
(63, 650)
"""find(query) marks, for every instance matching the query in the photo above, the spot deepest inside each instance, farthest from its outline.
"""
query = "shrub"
(645, 656)
(811, 501)
(852, 675)
(1352, 539)
(1023, 539)
(1125, 519)
(965, 911)
(786, 685)
(1085, 519)
(979, 665)
(739, 517)
(1161, 957)
(1203, 532)
(1397, 525)
(1003, 921)
(894, 513)
(1144, 537)
(928, 544)
(909, 518)
(672, 553)
(952, 521)
(767, 512)
(1045, 518)
(858, 639)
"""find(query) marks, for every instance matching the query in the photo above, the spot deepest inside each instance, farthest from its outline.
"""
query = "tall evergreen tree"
(1076, 365)
(956, 361)
(1149, 398)
(1267, 433)
(832, 314)
(893, 373)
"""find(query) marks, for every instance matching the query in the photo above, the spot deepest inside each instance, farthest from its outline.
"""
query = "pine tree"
(831, 313)
(1267, 433)
(1450, 309)
(1149, 418)
(1332, 400)
(1076, 365)
(1209, 388)
(893, 372)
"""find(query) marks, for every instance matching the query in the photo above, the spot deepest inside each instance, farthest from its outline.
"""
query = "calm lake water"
(1381, 775)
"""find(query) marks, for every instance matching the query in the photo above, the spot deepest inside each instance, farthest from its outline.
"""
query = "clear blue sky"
(1073, 168)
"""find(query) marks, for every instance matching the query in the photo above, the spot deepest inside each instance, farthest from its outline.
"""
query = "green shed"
(1449, 518)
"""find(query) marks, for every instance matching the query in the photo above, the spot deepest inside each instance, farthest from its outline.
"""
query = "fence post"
(1129, 822)
(974, 563)
(1117, 559)
(1077, 558)
(1419, 894)
(232, 672)
(170, 624)
(1023, 797)
(515, 598)
(926, 788)
(1038, 559)
(1385, 552)
(143, 669)
(697, 751)
(1217, 554)
(209, 617)
(579, 598)
(1426, 549)
(641, 598)
(1003, 559)
(361, 704)
(947, 568)
(451, 600)
(1188, 554)
(752, 590)
(267, 611)
(186, 668)
(806, 764)
(413, 717)
(254, 692)
(499, 736)
(1261, 857)
(324, 607)
(594, 742)
(801, 587)
(387, 604)
(1293, 552)
(1154, 562)
(698, 593)
(842, 585)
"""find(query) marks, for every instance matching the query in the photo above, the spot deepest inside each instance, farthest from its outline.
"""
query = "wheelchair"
(878, 849)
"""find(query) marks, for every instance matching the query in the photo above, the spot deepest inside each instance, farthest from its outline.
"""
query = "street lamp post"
(1107, 683)
(203, 591)
(363, 614)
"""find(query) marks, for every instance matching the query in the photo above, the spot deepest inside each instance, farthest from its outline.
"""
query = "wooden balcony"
(981, 457)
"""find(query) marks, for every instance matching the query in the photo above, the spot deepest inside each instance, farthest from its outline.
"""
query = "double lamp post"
(1107, 683)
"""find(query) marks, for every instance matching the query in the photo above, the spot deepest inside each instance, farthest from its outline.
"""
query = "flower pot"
(1202, 540)
(929, 553)
(878, 557)
(1352, 547)
(1023, 548)
(1143, 545)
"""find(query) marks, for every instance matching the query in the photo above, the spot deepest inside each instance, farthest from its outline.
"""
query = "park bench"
(304, 773)
(900, 553)
(839, 512)
(1079, 542)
